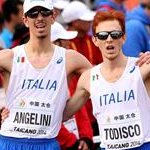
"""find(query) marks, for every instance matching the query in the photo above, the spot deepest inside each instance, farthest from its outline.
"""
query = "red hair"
(102, 16)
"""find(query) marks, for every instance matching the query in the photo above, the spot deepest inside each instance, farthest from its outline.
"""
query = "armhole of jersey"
(64, 55)
(140, 75)
(12, 72)
(92, 73)
(91, 80)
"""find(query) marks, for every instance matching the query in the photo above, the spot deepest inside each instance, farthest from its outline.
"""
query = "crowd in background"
(77, 16)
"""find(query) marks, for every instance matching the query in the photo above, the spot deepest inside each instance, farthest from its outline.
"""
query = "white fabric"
(60, 4)
(28, 4)
(36, 97)
(59, 32)
(122, 108)
(77, 10)
(2, 97)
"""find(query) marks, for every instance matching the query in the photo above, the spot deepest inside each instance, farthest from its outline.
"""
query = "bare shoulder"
(84, 80)
(6, 53)
(73, 55)
(76, 62)
(6, 58)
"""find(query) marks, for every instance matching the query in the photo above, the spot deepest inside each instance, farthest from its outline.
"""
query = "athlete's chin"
(111, 57)
(42, 37)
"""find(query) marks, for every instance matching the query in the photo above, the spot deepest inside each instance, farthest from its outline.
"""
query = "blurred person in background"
(59, 5)
(88, 3)
(77, 132)
(79, 17)
(2, 44)
(1, 3)
(110, 5)
(138, 30)
(12, 11)
(130, 4)
(21, 35)
(60, 36)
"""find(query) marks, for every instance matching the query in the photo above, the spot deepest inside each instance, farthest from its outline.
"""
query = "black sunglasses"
(103, 35)
(33, 13)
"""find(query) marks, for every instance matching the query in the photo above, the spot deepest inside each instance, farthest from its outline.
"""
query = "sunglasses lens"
(102, 35)
(46, 12)
(116, 34)
(33, 13)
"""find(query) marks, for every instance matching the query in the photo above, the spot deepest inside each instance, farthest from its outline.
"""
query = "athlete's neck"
(39, 47)
(110, 65)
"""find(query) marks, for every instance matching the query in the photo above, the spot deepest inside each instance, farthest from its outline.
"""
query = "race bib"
(121, 131)
(30, 118)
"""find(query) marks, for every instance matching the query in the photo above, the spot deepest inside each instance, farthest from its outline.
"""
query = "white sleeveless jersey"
(122, 108)
(36, 97)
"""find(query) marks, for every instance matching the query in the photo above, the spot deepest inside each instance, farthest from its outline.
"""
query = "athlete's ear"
(95, 41)
(25, 21)
(54, 14)
(124, 38)
(53, 17)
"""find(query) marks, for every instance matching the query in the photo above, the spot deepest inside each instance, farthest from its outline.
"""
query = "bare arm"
(145, 72)
(79, 98)
(6, 57)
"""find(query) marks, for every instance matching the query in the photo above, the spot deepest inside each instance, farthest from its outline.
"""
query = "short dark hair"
(10, 7)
